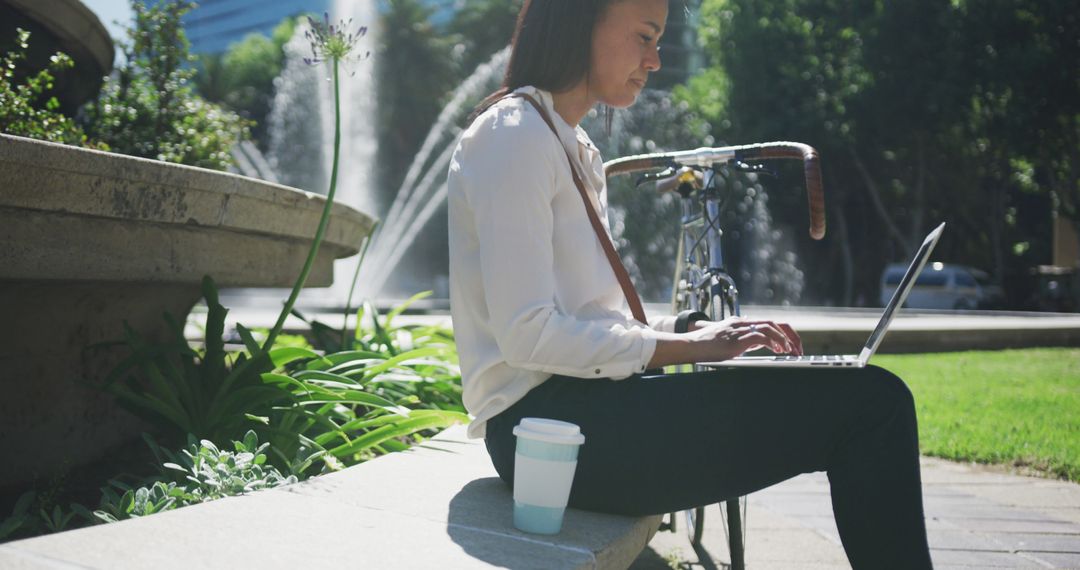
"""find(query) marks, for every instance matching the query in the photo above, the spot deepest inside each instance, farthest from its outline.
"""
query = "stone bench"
(437, 505)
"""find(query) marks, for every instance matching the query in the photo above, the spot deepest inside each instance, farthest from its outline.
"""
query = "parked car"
(943, 286)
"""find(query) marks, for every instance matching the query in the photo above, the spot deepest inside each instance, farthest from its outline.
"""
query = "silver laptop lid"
(901, 292)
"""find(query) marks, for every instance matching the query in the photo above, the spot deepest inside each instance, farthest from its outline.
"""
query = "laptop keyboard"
(813, 358)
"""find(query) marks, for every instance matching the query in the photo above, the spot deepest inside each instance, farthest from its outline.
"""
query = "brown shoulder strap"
(605, 241)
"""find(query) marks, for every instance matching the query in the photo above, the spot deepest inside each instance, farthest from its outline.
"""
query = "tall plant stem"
(322, 222)
(352, 287)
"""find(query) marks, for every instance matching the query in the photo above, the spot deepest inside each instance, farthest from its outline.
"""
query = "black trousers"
(664, 443)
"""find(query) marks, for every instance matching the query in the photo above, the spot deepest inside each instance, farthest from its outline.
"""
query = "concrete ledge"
(94, 239)
(439, 505)
(108, 217)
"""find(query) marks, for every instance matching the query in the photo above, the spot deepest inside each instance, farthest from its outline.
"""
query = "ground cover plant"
(1012, 407)
(198, 473)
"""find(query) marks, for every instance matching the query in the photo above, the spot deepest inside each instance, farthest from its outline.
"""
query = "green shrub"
(149, 109)
(21, 110)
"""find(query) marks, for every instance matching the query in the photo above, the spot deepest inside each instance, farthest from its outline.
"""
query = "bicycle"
(701, 282)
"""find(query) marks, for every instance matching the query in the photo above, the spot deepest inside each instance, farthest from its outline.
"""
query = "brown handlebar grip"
(815, 193)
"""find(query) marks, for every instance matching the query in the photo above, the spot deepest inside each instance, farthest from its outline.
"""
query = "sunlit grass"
(1014, 407)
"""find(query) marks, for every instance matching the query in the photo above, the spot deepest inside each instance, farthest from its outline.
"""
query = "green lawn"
(1015, 407)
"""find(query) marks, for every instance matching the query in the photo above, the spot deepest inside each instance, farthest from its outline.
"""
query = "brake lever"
(647, 177)
(754, 168)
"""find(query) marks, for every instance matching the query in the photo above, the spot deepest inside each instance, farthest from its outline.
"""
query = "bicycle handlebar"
(705, 157)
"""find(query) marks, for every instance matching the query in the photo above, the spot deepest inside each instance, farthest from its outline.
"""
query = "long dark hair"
(551, 48)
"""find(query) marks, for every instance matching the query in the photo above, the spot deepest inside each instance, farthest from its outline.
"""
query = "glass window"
(931, 278)
(893, 276)
(964, 279)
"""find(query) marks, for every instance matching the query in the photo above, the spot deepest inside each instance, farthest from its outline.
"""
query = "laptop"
(855, 361)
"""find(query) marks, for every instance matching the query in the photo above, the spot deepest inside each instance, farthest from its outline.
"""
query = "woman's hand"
(712, 341)
(731, 337)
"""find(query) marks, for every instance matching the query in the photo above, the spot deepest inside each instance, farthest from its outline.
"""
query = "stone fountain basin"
(93, 239)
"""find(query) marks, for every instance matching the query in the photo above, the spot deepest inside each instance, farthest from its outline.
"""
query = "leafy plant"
(22, 112)
(20, 515)
(202, 472)
(134, 503)
(378, 394)
(149, 109)
(210, 394)
(434, 383)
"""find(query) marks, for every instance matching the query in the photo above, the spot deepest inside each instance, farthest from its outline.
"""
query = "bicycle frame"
(701, 282)
(712, 279)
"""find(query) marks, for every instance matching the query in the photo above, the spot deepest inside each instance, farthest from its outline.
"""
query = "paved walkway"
(977, 517)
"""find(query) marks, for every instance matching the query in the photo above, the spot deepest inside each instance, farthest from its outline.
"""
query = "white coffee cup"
(544, 466)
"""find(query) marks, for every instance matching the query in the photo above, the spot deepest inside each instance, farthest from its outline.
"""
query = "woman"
(542, 328)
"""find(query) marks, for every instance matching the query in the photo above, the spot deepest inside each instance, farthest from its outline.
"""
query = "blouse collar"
(570, 137)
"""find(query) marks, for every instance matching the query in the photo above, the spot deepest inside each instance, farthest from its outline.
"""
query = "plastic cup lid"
(550, 431)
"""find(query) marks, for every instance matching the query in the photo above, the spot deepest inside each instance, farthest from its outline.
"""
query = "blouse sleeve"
(508, 178)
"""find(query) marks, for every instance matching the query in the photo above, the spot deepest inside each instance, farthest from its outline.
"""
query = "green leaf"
(357, 334)
(127, 502)
(105, 517)
(213, 364)
(305, 375)
(286, 354)
(398, 429)
(10, 525)
(83, 512)
(337, 358)
(399, 359)
(401, 308)
(264, 420)
(367, 423)
(380, 332)
(359, 398)
(249, 340)
(22, 504)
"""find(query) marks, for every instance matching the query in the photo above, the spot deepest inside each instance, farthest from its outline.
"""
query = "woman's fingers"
(780, 338)
(793, 337)
(737, 335)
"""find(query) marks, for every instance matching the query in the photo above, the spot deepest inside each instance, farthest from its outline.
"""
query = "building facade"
(215, 24)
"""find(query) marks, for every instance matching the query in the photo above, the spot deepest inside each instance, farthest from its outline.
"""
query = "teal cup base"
(538, 520)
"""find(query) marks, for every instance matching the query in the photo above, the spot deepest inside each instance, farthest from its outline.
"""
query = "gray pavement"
(977, 517)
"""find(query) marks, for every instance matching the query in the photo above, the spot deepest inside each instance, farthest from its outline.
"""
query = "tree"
(481, 28)
(910, 111)
(242, 78)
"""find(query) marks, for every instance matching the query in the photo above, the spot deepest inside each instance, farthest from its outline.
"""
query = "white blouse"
(531, 292)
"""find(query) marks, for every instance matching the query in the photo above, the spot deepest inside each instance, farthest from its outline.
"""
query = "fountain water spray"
(403, 223)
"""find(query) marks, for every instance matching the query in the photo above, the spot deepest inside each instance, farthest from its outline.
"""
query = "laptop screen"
(902, 291)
